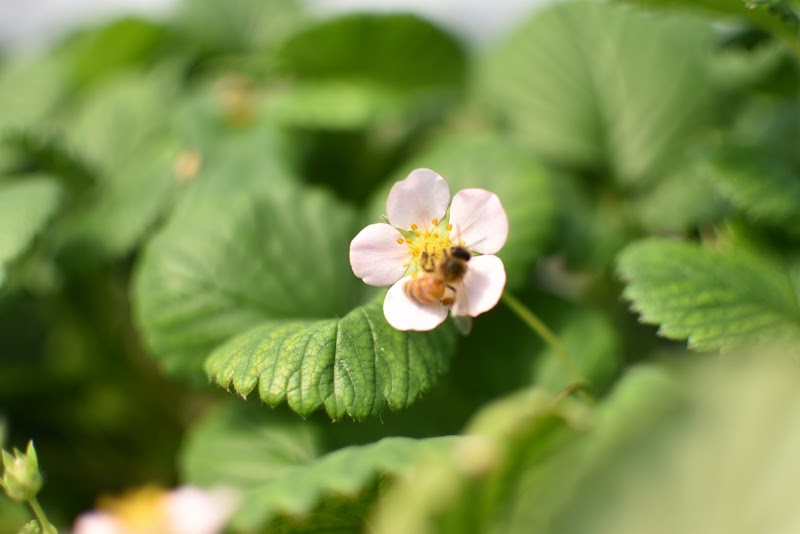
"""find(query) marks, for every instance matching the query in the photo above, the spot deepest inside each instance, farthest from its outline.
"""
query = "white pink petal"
(376, 256)
(419, 199)
(98, 523)
(404, 313)
(479, 220)
(195, 511)
(482, 286)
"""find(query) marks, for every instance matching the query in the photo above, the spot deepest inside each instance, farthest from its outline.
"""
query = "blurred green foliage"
(177, 199)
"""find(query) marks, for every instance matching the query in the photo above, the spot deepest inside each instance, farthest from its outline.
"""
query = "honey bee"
(440, 282)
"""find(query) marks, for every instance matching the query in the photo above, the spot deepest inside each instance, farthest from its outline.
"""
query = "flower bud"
(21, 478)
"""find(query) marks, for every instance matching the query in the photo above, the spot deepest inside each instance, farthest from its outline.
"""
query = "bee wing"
(463, 323)
(459, 310)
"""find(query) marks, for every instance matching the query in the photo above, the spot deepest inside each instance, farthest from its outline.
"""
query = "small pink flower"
(150, 510)
(424, 226)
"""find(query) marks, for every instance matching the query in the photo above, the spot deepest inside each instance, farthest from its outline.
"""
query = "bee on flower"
(438, 255)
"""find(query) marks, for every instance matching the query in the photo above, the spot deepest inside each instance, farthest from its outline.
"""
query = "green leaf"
(502, 166)
(25, 207)
(758, 183)
(712, 297)
(576, 84)
(243, 247)
(683, 200)
(335, 105)
(121, 115)
(242, 446)
(398, 51)
(29, 91)
(776, 16)
(121, 44)
(725, 463)
(500, 476)
(592, 343)
(287, 480)
(340, 476)
(354, 366)
(238, 25)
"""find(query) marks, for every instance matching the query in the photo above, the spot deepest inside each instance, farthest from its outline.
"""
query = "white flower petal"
(478, 219)
(482, 286)
(406, 314)
(98, 523)
(376, 257)
(195, 511)
(418, 199)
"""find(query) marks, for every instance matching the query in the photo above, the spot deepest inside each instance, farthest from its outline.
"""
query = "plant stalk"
(47, 528)
(549, 337)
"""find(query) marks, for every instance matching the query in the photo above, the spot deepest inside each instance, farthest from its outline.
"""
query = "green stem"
(549, 337)
(47, 528)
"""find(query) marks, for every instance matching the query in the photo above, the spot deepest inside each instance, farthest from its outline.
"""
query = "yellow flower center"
(427, 247)
(141, 510)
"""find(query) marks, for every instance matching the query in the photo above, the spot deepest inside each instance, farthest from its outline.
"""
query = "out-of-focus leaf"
(124, 133)
(682, 200)
(242, 249)
(590, 341)
(776, 16)
(725, 463)
(278, 463)
(513, 450)
(25, 208)
(124, 43)
(13, 515)
(29, 91)
(111, 126)
(114, 217)
(399, 51)
(340, 475)
(522, 459)
(577, 84)
(712, 297)
(241, 445)
(738, 69)
(238, 25)
(355, 366)
(334, 105)
(500, 165)
(759, 183)
(593, 227)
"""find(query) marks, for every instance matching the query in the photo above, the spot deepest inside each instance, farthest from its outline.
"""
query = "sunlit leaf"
(25, 207)
(242, 248)
(354, 366)
(724, 463)
(512, 452)
(576, 84)
(710, 297)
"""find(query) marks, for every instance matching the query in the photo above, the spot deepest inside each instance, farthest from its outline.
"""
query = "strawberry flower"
(149, 510)
(423, 227)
